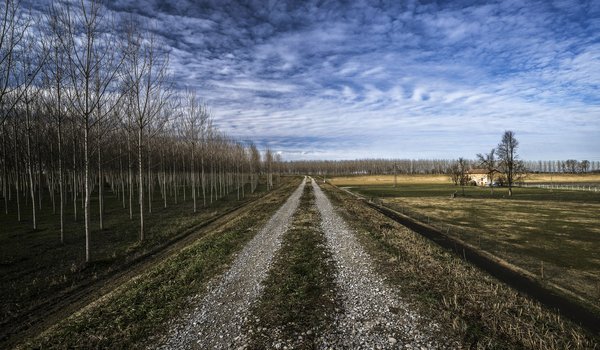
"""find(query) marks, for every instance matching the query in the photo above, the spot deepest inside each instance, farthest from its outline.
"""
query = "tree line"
(88, 105)
(422, 166)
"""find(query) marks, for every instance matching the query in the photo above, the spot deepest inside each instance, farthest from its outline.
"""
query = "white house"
(480, 176)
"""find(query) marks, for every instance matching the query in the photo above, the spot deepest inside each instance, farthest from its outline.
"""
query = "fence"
(571, 187)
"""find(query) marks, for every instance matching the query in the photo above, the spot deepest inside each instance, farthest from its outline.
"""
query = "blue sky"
(405, 79)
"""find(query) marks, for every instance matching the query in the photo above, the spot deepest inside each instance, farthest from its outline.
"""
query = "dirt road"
(216, 321)
(372, 315)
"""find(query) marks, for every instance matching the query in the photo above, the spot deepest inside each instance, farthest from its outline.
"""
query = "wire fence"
(570, 187)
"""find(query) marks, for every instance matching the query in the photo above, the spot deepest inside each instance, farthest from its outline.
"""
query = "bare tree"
(18, 67)
(146, 81)
(55, 82)
(584, 166)
(269, 168)
(458, 172)
(395, 175)
(94, 62)
(488, 162)
(254, 167)
(195, 123)
(571, 165)
(510, 165)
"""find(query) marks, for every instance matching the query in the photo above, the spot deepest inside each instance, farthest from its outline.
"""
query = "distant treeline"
(424, 166)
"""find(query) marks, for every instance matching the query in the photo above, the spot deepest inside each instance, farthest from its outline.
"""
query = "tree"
(269, 168)
(254, 167)
(147, 91)
(584, 166)
(571, 165)
(94, 62)
(458, 173)
(395, 175)
(509, 164)
(195, 121)
(19, 61)
(55, 78)
(488, 162)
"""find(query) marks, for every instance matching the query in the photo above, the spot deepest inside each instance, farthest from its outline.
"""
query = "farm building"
(480, 176)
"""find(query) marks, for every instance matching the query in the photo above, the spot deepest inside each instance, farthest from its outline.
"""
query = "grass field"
(35, 266)
(563, 178)
(423, 179)
(389, 180)
(557, 232)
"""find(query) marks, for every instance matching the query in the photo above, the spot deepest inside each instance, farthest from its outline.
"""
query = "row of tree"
(571, 166)
(87, 105)
(423, 166)
(369, 166)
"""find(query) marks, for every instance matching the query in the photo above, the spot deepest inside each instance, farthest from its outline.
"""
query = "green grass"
(557, 229)
(135, 314)
(299, 295)
(466, 301)
(34, 265)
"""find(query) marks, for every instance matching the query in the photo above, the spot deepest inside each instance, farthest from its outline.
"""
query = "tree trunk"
(130, 176)
(203, 179)
(30, 165)
(150, 179)
(4, 170)
(60, 184)
(75, 189)
(17, 184)
(164, 177)
(193, 178)
(141, 184)
(86, 181)
(100, 179)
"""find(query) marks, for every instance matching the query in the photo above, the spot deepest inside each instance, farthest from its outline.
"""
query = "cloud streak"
(332, 79)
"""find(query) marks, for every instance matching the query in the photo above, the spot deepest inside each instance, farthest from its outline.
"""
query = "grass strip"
(136, 313)
(474, 306)
(299, 298)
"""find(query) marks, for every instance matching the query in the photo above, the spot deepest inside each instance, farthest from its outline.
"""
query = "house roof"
(478, 171)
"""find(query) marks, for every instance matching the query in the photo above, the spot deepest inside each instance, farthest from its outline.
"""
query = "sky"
(390, 79)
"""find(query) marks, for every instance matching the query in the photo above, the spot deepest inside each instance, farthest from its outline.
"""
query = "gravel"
(373, 316)
(216, 321)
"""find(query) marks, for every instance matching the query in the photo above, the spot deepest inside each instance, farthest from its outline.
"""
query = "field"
(551, 234)
(563, 178)
(37, 271)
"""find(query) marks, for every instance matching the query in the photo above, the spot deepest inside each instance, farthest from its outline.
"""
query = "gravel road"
(217, 319)
(373, 315)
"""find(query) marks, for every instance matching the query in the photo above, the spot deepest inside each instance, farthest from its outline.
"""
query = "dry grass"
(563, 236)
(389, 180)
(545, 178)
(554, 231)
(445, 179)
